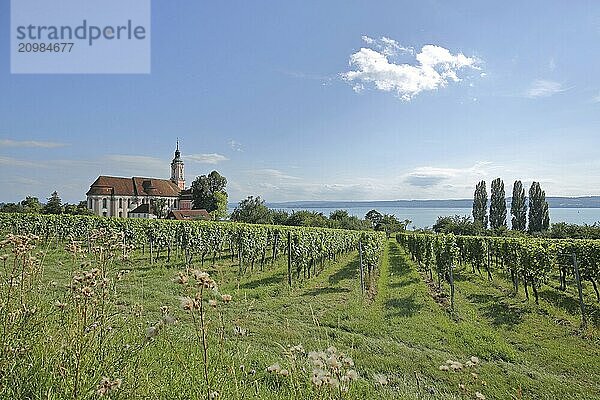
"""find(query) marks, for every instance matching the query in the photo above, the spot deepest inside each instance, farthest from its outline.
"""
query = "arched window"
(104, 203)
(120, 203)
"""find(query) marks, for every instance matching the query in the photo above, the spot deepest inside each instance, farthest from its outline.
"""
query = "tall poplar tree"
(518, 207)
(480, 205)
(497, 204)
(539, 217)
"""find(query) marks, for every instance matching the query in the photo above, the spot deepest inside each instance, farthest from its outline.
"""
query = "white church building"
(112, 196)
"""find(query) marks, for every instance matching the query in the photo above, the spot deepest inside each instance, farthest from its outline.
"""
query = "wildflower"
(60, 305)
(212, 303)
(226, 298)
(274, 368)
(456, 366)
(238, 330)
(181, 279)
(151, 332)
(333, 362)
(333, 382)
(461, 386)
(380, 379)
(317, 380)
(213, 395)
(352, 375)
(348, 362)
(106, 386)
(188, 304)
(199, 275)
(479, 396)
(284, 372)
(87, 291)
(444, 368)
(474, 360)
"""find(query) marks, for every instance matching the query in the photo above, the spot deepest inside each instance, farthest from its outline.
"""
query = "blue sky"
(335, 100)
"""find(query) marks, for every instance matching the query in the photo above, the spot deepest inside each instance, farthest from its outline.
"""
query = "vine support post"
(289, 258)
(579, 290)
(362, 272)
(451, 276)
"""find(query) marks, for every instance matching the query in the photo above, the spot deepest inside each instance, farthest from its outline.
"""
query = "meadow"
(103, 321)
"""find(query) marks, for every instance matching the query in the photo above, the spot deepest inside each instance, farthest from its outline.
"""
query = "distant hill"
(554, 202)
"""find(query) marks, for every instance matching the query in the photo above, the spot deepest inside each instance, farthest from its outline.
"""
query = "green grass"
(396, 329)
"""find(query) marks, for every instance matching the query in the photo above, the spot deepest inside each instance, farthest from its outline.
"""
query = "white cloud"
(596, 98)
(236, 146)
(212, 158)
(435, 67)
(271, 173)
(13, 162)
(544, 88)
(430, 177)
(30, 143)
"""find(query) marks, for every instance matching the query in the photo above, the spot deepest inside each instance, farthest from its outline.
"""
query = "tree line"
(539, 217)
(254, 210)
(528, 214)
(54, 205)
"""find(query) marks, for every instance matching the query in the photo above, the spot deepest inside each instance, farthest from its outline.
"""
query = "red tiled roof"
(188, 214)
(136, 186)
(141, 209)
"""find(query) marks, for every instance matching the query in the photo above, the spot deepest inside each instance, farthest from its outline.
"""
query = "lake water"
(426, 217)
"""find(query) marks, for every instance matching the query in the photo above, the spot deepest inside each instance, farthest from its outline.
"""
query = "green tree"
(204, 189)
(32, 205)
(54, 204)
(253, 211)
(518, 207)
(539, 217)
(70, 209)
(390, 224)
(307, 218)
(159, 207)
(497, 205)
(340, 219)
(82, 208)
(11, 208)
(221, 211)
(480, 205)
(77, 209)
(279, 217)
(458, 225)
(375, 217)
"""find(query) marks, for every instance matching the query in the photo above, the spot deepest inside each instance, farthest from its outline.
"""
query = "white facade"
(120, 206)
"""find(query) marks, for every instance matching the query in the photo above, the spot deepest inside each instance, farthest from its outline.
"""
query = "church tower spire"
(177, 176)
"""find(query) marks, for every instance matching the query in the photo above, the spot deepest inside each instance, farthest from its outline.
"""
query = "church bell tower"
(177, 176)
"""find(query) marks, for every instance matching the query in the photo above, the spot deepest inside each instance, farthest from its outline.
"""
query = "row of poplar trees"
(539, 217)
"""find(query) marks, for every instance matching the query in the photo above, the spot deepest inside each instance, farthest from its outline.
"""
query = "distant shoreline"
(553, 202)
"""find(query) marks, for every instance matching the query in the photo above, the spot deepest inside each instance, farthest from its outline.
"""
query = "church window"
(103, 203)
